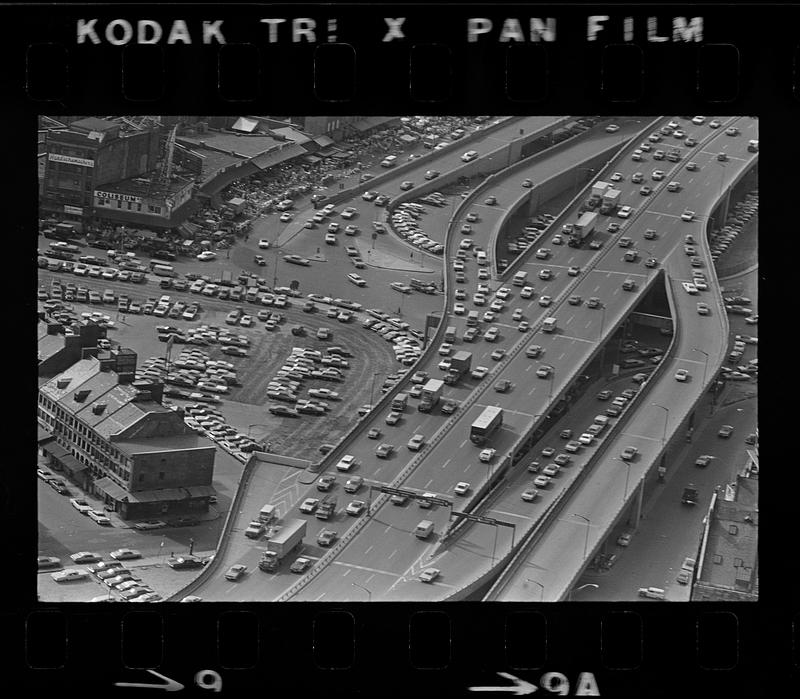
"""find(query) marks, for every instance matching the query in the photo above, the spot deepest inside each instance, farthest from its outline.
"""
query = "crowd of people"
(296, 178)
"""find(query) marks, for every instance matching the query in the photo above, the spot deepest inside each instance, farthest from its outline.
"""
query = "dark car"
(185, 562)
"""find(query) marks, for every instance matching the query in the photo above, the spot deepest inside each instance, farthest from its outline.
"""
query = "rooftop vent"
(63, 383)
(99, 408)
(81, 395)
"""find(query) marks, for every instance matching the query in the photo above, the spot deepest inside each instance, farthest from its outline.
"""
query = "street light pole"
(536, 582)
(369, 594)
(582, 587)
(588, 523)
(666, 420)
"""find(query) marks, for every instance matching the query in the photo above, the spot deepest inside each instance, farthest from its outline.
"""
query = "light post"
(705, 365)
(536, 582)
(627, 465)
(369, 594)
(588, 523)
(582, 587)
(552, 378)
(666, 420)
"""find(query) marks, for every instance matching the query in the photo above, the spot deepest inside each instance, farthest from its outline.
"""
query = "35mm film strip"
(331, 105)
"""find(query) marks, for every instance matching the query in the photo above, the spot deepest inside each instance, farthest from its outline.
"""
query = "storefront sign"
(117, 197)
(77, 210)
(71, 160)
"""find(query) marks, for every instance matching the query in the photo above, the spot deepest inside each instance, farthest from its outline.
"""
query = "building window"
(738, 563)
(161, 475)
(733, 530)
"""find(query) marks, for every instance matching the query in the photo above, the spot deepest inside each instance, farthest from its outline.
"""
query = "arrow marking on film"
(521, 686)
(169, 684)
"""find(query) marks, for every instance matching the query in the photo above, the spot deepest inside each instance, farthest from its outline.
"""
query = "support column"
(639, 502)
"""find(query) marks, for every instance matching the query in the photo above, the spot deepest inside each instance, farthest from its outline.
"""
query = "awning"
(323, 141)
(56, 450)
(327, 152)
(43, 436)
(343, 155)
(372, 122)
(114, 491)
(72, 464)
(312, 159)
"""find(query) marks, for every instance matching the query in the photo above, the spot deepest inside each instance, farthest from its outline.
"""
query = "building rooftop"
(93, 124)
(234, 144)
(145, 187)
(292, 134)
(47, 345)
(146, 445)
(98, 399)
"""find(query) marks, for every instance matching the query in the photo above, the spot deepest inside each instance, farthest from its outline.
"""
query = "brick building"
(116, 440)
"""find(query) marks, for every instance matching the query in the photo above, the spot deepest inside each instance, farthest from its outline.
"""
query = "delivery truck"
(582, 229)
(399, 402)
(460, 364)
(424, 529)
(610, 201)
(689, 496)
(431, 393)
(279, 546)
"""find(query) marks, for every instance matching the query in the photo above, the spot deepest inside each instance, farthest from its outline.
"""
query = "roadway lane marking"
(561, 356)
(369, 549)
(346, 573)
(447, 462)
(317, 599)
(518, 412)
(375, 571)
(392, 553)
(428, 483)
(388, 529)
(369, 579)
(577, 339)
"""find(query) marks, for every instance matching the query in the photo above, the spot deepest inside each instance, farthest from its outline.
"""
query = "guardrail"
(224, 536)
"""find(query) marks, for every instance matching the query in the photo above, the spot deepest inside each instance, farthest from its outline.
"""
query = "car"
(85, 557)
(687, 215)
(325, 482)
(235, 572)
(730, 131)
(355, 508)
(326, 537)
(624, 539)
(301, 565)
(543, 372)
(604, 395)
(384, 451)
(461, 488)
(44, 562)
(309, 505)
(263, 243)
(79, 504)
(479, 372)
(565, 434)
(551, 470)
(725, 431)
(541, 481)
(612, 128)
(416, 442)
(533, 351)
(431, 174)
(542, 253)
(682, 375)
(393, 418)
(206, 256)
(629, 453)
(637, 178)
(491, 200)
(586, 438)
(125, 554)
(545, 274)
(502, 386)
(573, 446)
(703, 309)
(69, 574)
(374, 433)
(487, 455)
(498, 354)
(429, 575)
(530, 494)
(617, 177)
(657, 175)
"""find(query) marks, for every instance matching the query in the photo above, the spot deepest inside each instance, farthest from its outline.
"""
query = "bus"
(163, 270)
(520, 279)
(488, 421)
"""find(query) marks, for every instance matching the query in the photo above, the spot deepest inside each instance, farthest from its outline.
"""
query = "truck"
(549, 325)
(267, 514)
(689, 496)
(282, 544)
(226, 278)
(596, 197)
(460, 364)
(424, 529)
(326, 509)
(488, 421)
(431, 393)
(399, 402)
(582, 229)
(610, 201)
(255, 529)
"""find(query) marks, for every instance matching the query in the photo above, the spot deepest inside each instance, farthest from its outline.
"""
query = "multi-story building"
(60, 346)
(117, 441)
(88, 155)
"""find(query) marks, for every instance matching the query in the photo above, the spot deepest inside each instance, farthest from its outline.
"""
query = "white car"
(624, 539)
(682, 375)
(612, 128)
(309, 505)
(125, 554)
(263, 243)
(479, 372)
(487, 455)
(206, 255)
(624, 212)
(69, 574)
(346, 462)
(586, 438)
(462, 488)
(687, 215)
(530, 494)
(459, 309)
(429, 575)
